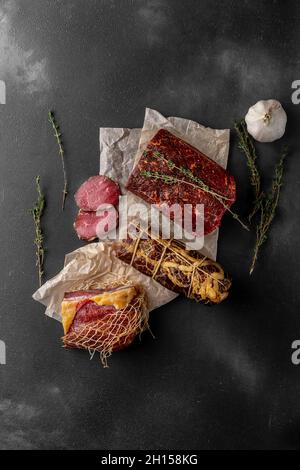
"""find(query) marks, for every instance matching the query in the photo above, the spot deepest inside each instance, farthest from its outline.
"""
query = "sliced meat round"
(92, 225)
(95, 191)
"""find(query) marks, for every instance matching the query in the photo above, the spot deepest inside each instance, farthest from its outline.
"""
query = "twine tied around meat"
(115, 330)
(195, 275)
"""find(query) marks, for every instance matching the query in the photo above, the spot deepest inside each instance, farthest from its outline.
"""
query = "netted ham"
(166, 261)
(170, 171)
(96, 191)
(105, 319)
(92, 225)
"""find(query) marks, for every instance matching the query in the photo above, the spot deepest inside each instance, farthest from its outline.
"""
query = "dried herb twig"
(168, 179)
(61, 152)
(247, 146)
(189, 174)
(267, 205)
(196, 182)
(37, 213)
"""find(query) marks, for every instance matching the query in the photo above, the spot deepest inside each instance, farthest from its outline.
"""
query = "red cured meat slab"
(88, 312)
(89, 225)
(95, 191)
(182, 154)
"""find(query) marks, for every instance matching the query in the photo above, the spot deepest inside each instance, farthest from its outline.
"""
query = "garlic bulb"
(266, 120)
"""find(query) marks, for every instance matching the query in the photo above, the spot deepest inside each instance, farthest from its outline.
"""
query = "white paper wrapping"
(95, 262)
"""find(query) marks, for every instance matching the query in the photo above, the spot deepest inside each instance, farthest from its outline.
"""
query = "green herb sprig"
(267, 208)
(196, 182)
(61, 151)
(37, 213)
(190, 175)
(265, 203)
(247, 146)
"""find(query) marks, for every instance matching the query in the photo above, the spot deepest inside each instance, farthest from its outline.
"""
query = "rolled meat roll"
(186, 272)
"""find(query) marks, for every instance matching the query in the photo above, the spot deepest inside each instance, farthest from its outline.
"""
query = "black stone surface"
(215, 378)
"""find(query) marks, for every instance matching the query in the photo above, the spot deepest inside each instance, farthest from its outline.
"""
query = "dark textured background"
(214, 378)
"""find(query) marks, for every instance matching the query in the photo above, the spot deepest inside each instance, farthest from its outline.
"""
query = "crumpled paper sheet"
(119, 150)
(95, 261)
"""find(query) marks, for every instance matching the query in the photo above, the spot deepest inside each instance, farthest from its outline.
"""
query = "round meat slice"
(91, 225)
(95, 191)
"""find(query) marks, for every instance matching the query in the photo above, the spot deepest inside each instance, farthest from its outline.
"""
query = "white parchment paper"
(96, 262)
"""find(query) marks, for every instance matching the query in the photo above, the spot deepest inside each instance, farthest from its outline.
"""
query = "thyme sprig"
(168, 179)
(247, 146)
(196, 182)
(189, 174)
(61, 151)
(37, 213)
(265, 203)
(267, 207)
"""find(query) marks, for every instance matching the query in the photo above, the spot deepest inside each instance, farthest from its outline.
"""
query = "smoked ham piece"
(97, 190)
(172, 157)
(105, 319)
